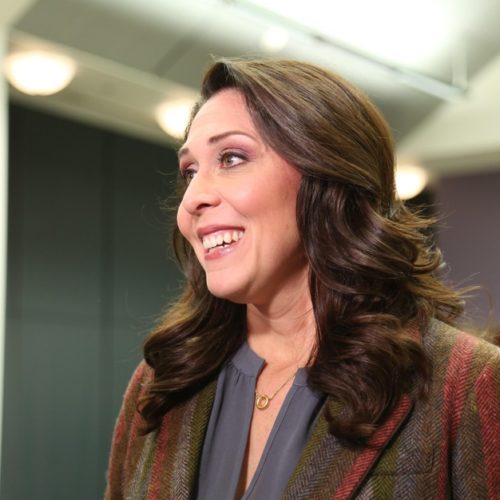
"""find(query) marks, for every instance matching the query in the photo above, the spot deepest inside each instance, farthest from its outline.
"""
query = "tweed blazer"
(446, 446)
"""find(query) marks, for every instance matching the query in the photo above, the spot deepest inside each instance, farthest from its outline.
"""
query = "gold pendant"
(261, 401)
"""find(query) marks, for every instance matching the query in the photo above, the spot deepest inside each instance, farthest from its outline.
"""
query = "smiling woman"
(311, 354)
(237, 184)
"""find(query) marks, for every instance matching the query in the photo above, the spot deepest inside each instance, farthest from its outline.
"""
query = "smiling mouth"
(221, 239)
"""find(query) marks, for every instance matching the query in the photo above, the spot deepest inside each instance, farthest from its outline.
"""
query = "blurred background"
(94, 95)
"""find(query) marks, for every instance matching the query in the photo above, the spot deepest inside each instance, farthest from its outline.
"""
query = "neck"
(283, 332)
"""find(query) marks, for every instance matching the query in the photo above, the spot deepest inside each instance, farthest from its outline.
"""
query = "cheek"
(183, 222)
(287, 210)
(286, 195)
(272, 201)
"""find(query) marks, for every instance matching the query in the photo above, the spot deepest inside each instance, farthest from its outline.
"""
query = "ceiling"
(133, 55)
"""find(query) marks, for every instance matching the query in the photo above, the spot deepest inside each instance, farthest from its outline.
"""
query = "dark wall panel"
(469, 237)
(143, 180)
(88, 275)
(141, 275)
(55, 215)
(51, 439)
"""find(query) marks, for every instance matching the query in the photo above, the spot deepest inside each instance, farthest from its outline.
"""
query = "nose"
(200, 194)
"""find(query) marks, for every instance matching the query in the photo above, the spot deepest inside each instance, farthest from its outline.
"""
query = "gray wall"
(88, 274)
(469, 237)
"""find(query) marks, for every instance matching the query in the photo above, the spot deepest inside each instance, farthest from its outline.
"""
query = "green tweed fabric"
(446, 446)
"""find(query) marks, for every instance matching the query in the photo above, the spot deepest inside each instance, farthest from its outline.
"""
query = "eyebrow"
(214, 139)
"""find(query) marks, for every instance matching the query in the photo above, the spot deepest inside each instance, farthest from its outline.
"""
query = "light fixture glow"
(173, 117)
(388, 29)
(274, 39)
(39, 73)
(410, 180)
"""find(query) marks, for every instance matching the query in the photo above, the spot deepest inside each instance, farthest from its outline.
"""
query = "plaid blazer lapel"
(329, 469)
(186, 427)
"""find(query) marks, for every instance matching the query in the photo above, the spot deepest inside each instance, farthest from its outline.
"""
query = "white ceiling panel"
(165, 45)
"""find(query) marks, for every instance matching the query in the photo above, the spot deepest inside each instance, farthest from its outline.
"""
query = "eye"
(188, 174)
(231, 159)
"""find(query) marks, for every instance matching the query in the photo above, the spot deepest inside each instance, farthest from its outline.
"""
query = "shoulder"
(465, 376)
(465, 397)
(143, 374)
(129, 420)
(136, 388)
(450, 440)
(455, 353)
(127, 439)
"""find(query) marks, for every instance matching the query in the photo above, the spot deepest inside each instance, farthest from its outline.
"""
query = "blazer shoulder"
(442, 339)
(458, 358)
(143, 374)
(127, 437)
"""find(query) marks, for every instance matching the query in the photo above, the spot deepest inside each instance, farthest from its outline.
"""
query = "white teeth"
(212, 241)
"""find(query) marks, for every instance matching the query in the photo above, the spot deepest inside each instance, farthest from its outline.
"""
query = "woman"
(311, 353)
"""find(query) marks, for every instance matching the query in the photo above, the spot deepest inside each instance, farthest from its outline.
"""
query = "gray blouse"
(228, 428)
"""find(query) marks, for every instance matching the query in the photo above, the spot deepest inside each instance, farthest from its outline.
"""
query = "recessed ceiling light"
(410, 180)
(173, 117)
(39, 73)
(274, 39)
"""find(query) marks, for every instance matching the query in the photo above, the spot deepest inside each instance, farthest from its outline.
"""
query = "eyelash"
(224, 155)
(188, 173)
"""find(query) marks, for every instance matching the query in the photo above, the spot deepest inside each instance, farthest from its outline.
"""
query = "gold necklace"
(262, 400)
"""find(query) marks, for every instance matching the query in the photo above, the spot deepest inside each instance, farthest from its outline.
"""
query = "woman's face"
(238, 210)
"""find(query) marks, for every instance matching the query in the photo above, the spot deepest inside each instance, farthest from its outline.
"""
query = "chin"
(227, 292)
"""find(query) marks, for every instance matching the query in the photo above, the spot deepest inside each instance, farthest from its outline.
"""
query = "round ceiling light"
(410, 180)
(274, 39)
(39, 73)
(173, 117)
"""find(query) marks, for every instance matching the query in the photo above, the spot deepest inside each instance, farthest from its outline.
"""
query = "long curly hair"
(373, 270)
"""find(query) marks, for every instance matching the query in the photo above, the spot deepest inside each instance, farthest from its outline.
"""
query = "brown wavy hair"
(373, 269)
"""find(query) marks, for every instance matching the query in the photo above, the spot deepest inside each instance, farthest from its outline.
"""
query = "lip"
(218, 252)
